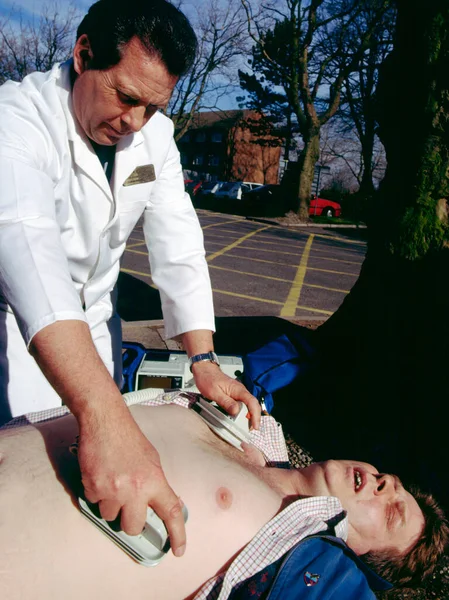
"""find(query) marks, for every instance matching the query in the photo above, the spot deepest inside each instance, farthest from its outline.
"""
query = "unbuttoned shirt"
(302, 518)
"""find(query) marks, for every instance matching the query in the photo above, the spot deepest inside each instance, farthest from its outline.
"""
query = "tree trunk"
(307, 161)
(383, 379)
(366, 185)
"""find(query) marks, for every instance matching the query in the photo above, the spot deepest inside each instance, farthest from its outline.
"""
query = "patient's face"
(381, 513)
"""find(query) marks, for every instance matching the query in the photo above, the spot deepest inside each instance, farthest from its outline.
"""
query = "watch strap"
(209, 356)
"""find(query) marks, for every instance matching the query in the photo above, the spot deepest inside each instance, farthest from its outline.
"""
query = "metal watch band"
(210, 356)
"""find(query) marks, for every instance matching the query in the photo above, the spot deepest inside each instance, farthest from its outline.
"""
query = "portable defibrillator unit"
(170, 370)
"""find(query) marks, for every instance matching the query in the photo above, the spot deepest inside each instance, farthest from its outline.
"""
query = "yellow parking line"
(234, 244)
(256, 299)
(246, 297)
(289, 309)
(321, 287)
(128, 247)
(270, 262)
(318, 310)
(349, 262)
(278, 244)
(338, 260)
(250, 274)
(327, 237)
(137, 251)
(131, 272)
(328, 289)
(333, 272)
(222, 223)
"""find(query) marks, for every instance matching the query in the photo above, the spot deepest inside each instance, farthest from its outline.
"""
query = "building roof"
(223, 119)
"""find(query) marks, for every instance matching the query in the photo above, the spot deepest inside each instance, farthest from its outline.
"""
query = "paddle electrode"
(152, 544)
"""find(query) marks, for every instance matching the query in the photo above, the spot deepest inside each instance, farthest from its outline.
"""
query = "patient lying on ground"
(49, 550)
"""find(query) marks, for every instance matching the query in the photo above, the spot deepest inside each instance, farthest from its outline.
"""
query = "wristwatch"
(210, 356)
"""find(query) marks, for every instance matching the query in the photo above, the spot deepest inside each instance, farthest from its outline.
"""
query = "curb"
(318, 225)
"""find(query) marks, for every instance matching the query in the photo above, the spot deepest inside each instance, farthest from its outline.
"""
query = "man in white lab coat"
(84, 152)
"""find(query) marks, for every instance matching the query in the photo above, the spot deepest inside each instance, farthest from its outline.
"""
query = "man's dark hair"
(419, 563)
(163, 30)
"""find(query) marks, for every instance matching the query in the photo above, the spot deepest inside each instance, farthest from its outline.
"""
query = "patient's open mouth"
(358, 480)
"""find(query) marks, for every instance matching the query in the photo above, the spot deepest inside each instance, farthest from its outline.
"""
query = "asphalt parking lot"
(259, 269)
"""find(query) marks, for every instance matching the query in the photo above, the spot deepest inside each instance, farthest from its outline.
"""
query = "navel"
(224, 498)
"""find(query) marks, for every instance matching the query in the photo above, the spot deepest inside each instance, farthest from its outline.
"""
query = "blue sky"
(33, 8)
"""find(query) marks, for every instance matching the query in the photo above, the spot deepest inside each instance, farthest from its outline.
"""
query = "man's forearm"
(68, 358)
(197, 342)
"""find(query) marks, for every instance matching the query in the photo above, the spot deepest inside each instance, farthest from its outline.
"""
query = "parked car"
(267, 200)
(274, 200)
(235, 189)
(209, 188)
(321, 207)
(192, 186)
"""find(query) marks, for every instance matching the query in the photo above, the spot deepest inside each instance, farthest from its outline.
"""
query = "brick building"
(234, 145)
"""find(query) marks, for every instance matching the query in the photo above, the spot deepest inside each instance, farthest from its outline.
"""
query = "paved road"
(258, 269)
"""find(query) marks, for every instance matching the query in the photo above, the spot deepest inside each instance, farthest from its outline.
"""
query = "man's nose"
(384, 485)
(135, 118)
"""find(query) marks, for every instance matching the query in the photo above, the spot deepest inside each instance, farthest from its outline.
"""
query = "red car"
(320, 207)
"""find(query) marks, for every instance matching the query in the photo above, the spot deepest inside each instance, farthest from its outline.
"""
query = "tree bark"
(366, 189)
(382, 384)
(307, 161)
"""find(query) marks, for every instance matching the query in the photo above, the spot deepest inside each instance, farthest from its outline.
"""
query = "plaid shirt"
(300, 519)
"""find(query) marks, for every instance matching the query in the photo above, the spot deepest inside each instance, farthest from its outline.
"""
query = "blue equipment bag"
(132, 355)
(320, 567)
(276, 365)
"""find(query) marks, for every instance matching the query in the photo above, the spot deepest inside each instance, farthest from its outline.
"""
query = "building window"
(185, 138)
(184, 158)
(214, 161)
(217, 136)
(200, 137)
(198, 160)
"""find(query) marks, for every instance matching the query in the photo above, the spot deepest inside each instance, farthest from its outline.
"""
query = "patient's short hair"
(413, 568)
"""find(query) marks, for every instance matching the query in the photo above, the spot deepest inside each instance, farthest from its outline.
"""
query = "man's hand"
(225, 391)
(121, 471)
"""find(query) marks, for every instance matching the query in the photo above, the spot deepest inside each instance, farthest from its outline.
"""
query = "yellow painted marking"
(131, 272)
(270, 262)
(137, 251)
(245, 297)
(318, 310)
(328, 237)
(349, 262)
(290, 244)
(333, 272)
(289, 309)
(304, 233)
(321, 287)
(250, 274)
(338, 260)
(129, 246)
(234, 244)
(222, 223)
(328, 289)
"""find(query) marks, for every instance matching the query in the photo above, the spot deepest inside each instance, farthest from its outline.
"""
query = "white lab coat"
(63, 230)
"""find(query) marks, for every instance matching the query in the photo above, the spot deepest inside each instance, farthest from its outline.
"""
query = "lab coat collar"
(83, 152)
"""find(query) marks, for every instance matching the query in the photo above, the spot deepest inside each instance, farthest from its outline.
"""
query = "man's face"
(113, 103)
(381, 513)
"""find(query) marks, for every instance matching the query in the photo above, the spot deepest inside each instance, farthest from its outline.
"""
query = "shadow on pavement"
(137, 301)
(240, 335)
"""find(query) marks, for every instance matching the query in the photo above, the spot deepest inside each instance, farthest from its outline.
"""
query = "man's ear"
(82, 54)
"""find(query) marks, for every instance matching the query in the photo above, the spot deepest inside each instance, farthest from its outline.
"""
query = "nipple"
(224, 498)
